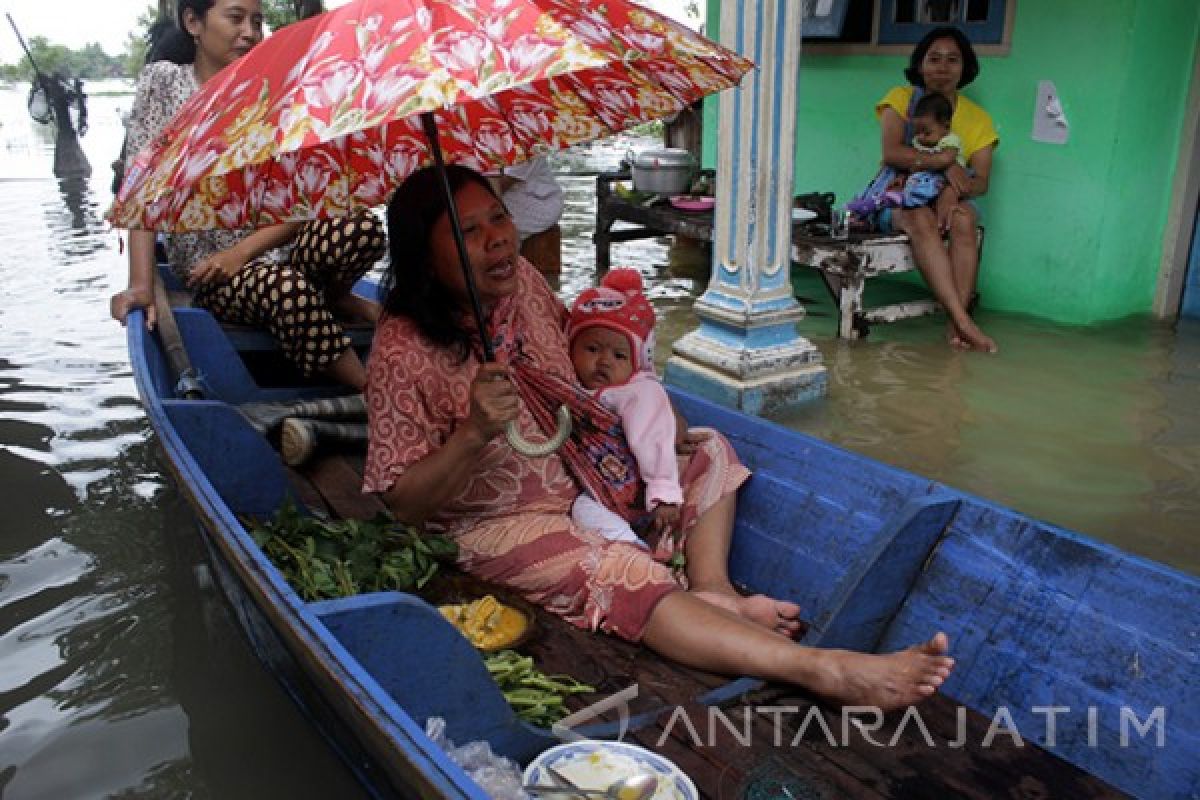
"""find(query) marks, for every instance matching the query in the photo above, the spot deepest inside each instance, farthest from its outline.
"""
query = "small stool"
(544, 250)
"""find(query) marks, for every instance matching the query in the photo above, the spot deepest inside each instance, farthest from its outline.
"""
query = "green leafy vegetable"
(336, 558)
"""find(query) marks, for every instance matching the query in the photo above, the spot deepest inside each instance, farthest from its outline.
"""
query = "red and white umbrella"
(325, 115)
(333, 113)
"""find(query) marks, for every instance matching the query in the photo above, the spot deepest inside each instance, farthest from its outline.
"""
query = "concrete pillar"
(746, 353)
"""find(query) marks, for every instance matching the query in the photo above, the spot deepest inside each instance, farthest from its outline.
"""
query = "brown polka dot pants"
(292, 301)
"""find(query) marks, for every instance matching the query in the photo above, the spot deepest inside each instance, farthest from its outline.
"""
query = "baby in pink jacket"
(611, 334)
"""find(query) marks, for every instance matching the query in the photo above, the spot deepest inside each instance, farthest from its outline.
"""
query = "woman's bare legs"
(964, 251)
(707, 553)
(356, 308)
(940, 272)
(685, 628)
(348, 369)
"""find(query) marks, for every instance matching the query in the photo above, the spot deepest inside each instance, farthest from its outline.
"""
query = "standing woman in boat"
(289, 278)
(943, 62)
(435, 456)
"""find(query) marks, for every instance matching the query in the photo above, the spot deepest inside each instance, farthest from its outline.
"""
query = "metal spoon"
(635, 787)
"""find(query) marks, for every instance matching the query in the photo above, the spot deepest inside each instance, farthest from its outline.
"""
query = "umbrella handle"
(520, 444)
(539, 449)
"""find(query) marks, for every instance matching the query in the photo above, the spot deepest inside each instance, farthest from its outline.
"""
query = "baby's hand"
(664, 519)
(688, 441)
(946, 207)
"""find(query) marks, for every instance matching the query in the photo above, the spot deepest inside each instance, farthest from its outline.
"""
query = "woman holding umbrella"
(289, 278)
(436, 408)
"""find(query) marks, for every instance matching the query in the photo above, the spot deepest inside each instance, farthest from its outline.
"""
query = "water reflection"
(75, 196)
(118, 676)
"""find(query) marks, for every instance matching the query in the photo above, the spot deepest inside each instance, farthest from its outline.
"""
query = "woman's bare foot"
(887, 682)
(776, 615)
(954, 339)
(971, 337)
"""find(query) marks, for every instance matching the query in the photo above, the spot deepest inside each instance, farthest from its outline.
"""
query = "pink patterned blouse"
(512, 520)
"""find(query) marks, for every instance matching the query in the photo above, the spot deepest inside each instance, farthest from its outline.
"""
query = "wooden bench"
(846, 264)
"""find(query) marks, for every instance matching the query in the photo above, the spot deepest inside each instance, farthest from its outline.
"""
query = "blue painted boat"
(1062, 642)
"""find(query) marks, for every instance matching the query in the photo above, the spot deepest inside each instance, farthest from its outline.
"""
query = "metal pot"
(669, 170)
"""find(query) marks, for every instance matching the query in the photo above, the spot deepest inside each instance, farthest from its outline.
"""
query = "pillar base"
(756, 381)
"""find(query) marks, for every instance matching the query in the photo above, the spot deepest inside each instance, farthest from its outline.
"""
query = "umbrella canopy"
(325, 115)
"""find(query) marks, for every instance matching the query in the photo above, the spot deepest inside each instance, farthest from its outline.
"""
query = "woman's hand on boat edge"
(131, 299)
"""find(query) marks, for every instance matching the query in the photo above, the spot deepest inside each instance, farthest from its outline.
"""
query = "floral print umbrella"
(325, 115)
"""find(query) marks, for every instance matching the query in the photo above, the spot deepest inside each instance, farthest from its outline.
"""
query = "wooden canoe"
(1077, 664)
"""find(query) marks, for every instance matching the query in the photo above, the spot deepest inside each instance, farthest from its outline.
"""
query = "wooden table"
(656, 219)
(844, 264)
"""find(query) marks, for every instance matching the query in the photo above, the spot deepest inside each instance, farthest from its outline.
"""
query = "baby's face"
(928, 131)
(602, 357)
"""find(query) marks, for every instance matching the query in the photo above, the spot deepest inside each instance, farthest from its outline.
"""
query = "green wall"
(1074, 230)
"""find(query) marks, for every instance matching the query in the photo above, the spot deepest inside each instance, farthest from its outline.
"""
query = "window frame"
(823, 46)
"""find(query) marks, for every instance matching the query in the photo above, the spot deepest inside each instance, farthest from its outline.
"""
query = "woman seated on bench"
(289, 279)
(436, 456)
(943, 62)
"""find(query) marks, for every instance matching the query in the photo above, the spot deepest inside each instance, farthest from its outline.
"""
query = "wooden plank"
(724, 763)
(611, 665)
(936, 760)
(341, 487)
(306, 492)
(773, 763)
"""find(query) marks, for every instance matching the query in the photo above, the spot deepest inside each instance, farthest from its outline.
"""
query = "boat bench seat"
(415, 655)
(226, 451)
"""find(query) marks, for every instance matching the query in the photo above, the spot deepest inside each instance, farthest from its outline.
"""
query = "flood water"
(122, 673)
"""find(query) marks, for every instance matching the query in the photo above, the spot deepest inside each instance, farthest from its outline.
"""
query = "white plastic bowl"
(597, 765)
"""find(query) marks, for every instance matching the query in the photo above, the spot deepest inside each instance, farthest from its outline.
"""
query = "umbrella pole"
(427, 122)
(515, 439)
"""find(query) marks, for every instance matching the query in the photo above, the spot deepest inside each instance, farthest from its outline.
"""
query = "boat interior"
(876, 557)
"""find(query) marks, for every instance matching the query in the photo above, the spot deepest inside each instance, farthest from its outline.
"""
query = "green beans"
(536, 697)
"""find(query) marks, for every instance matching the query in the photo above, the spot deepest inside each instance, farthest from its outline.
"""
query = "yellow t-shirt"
(972, 124)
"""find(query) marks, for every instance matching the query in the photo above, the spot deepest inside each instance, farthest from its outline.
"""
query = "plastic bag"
(500, 777)
(820, 203)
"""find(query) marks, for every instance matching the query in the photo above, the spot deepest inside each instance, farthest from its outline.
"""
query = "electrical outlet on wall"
(1049, 119)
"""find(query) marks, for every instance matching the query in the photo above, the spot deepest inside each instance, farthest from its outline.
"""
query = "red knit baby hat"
(618, 303)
